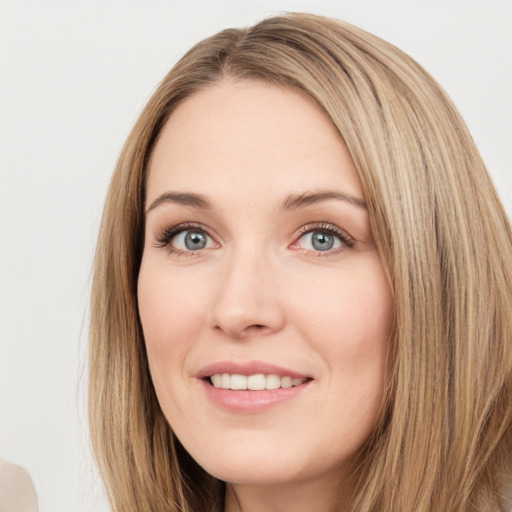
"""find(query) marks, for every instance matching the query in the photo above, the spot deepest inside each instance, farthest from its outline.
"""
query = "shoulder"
(17, 491)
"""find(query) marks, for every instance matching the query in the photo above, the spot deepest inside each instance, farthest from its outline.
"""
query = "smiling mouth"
(256, 382)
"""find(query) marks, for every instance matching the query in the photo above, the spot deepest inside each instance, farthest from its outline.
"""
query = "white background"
(73, 77)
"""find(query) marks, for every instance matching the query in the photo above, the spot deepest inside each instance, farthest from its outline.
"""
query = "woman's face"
(260, 271)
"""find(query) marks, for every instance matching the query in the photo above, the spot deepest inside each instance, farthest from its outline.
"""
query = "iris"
(322, 241)
(195, 240)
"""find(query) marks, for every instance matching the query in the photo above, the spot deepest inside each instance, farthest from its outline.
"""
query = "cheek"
(348, 320)
(171, 313)
(351, 311)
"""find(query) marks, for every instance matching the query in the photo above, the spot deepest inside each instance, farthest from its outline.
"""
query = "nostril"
(255, 329)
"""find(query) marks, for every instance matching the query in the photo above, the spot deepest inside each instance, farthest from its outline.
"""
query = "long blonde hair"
(445, 430)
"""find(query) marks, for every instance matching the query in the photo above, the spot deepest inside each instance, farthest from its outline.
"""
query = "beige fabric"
(17, 492)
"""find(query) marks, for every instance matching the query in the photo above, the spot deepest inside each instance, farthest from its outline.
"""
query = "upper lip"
(248, 368)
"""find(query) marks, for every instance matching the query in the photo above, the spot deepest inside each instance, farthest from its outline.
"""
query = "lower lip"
(245, 401)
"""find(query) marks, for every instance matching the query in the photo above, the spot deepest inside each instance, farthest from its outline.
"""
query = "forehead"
(242, 136)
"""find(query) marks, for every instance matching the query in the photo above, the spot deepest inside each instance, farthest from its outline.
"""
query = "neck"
(322, 496)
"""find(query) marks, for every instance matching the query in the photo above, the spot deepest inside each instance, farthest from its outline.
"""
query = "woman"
(302, 288)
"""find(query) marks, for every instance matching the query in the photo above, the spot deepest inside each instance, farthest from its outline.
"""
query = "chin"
(241, 464)
(260, 463)
(249, 474)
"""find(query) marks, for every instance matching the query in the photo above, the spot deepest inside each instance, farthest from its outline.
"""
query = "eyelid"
(165, 235)
(326, 227)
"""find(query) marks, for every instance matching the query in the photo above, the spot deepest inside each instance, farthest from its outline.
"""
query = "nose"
(248, 300)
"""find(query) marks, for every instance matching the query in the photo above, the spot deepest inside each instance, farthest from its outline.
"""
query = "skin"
(260, 290)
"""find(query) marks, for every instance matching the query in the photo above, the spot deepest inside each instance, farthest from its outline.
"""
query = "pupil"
(195, 240)
(322, 241)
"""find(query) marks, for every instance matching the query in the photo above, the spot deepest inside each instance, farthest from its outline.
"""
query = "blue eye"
(191, 240)
(323, 239)
(320, 241)
(184, 238)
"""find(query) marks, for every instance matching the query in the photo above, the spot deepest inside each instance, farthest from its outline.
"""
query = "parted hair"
(443, 439)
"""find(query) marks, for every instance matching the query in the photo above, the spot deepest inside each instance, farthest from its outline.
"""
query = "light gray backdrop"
(73, 77)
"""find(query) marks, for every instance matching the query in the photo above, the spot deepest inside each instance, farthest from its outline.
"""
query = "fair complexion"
(259, 261)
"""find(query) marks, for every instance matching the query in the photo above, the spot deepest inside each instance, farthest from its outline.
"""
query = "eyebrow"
(185, 198)
(291, 202)
(294, 201)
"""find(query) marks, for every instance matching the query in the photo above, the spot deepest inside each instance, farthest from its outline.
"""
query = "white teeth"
(273, 382)
(238, 382)
(217, 380)
(255, 382)
(287, 382)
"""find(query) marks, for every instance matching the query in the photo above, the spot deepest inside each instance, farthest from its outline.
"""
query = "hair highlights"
(442, 439)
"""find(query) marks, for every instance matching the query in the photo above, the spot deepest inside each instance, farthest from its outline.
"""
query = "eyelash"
(347, 242)
(164, 239)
